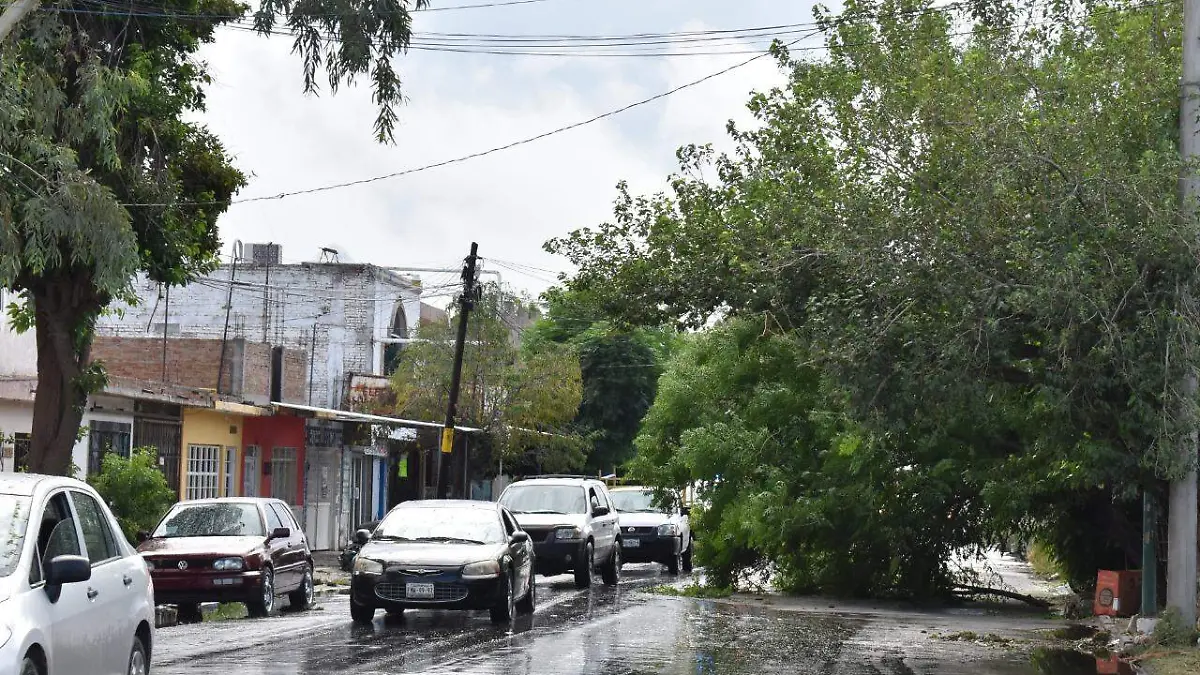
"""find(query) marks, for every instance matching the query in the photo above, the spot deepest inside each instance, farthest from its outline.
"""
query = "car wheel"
(139, 664)
(265, 604)
(30, 667)
(675, 563)
(302, 598)
(505, 607)
(583, 568)
(612, 570)
(529, 602)
(189, 613)
(361, 613)
(687, 556)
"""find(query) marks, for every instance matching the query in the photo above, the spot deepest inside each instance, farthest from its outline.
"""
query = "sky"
(509, 202)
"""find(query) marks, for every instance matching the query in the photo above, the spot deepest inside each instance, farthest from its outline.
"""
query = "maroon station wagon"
(229, 550)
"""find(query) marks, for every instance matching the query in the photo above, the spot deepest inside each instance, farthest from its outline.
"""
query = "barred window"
(283, 475)
(203, 471)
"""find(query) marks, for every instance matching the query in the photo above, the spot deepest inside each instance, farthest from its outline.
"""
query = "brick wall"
(193, 363)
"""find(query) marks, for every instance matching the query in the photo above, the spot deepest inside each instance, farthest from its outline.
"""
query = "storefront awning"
(347, 416)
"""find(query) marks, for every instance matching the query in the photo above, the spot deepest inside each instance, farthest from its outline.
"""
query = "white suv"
(75, 598)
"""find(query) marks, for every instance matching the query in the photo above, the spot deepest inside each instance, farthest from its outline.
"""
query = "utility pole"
(1181, 529)
(466, 302)
(14, 13)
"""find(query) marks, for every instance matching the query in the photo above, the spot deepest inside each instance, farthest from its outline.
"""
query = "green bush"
(1173, 631)
(135, 490)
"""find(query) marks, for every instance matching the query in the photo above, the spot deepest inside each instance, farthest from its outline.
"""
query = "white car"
(75, 598)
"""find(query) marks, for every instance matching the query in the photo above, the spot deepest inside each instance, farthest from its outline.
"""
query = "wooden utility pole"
(466, 302)
(1181, 529)
(14, 13)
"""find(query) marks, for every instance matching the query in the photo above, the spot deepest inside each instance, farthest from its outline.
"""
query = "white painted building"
(352, 309)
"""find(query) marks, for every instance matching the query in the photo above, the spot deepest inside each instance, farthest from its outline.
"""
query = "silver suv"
(572, 523)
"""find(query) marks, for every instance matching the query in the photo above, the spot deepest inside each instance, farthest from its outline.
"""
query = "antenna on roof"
(328, 255)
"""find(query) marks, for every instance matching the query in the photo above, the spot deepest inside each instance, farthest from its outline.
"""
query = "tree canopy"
(524, 399)
(965, 219)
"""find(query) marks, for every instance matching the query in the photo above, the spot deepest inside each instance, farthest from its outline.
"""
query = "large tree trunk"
(64, 311)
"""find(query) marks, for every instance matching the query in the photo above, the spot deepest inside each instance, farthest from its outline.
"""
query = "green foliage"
(973, 237)
(524, 399)
(135, 490)
(1172, 631)
(620, 370)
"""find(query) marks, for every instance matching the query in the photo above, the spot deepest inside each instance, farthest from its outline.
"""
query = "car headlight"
(483, 569)
(668, 530)
(229, 565)
(568, 533)
(5, 634)
(367, 566)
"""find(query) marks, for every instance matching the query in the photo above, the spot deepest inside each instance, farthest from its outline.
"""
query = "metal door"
(165, 438)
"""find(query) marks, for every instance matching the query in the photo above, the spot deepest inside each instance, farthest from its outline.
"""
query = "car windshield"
(544, 499)
(14, 515)
(212, 520)
(444, 525)
(635, 501)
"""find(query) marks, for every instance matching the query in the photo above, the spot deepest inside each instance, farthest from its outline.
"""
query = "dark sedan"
(229, 550)
(446, 554)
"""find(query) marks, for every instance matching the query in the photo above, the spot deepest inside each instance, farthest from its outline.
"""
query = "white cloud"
(509, 202)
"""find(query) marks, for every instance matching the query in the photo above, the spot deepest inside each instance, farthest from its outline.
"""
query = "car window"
(635, 501)
(510, 526)
(593, 499)
(273, 520)
(442, 525)
(97, 535)
(285, 516)
(56, 535)
(534, 498)
(14, 521)
(212, 519)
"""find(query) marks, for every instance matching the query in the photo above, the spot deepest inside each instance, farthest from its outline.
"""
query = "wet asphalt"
(599, 631)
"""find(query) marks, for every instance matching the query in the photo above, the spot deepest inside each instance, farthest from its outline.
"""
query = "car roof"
(27, 484)
(228, 500)
(447, 504)
(574, 482)
(630, 488)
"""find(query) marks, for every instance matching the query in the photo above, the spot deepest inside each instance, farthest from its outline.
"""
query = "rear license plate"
(632, 543)
(419, 591)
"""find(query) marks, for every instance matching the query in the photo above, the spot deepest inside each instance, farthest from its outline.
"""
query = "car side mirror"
(520, 537)
(600, 511)
(281, 533)
(362, 537)
(142, 537)
(66, 569)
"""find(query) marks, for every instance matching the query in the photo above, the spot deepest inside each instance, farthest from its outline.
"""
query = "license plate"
(419, 591)
(631, 543)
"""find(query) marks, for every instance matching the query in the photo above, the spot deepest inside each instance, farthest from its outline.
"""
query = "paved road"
(601, 631)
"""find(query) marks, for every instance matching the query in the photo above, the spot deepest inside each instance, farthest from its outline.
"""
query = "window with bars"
(22, 443)
(231, 471)
(106, 437)
(283, 475)
(203, 471)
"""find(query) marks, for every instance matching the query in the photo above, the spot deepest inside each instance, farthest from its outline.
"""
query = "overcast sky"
(510, 202)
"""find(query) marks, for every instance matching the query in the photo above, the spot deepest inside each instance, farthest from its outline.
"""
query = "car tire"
(529, 603)
(263, 606)
(302, 598)
(189, 613)
(361, 614)
(30, 667)
(139, 660)
(675, 563)
(583, 569)
(506, 605)
(612, 569)
(687, 556)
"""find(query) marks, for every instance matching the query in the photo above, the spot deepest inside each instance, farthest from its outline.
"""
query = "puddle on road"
(1049, 661)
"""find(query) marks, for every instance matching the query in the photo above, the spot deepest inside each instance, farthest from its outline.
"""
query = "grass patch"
(227, 611)
(691, 591)
(971, 636)
(1041, 558)
(1183, 662)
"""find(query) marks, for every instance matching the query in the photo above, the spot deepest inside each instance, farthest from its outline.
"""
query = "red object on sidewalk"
(1118, 593)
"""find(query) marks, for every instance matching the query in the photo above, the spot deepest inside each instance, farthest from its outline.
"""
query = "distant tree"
(524, 399)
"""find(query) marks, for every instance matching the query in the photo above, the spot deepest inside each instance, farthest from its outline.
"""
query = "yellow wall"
(205, 427)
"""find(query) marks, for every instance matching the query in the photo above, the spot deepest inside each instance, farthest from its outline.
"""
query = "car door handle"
(92, 593)
(128, 580)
